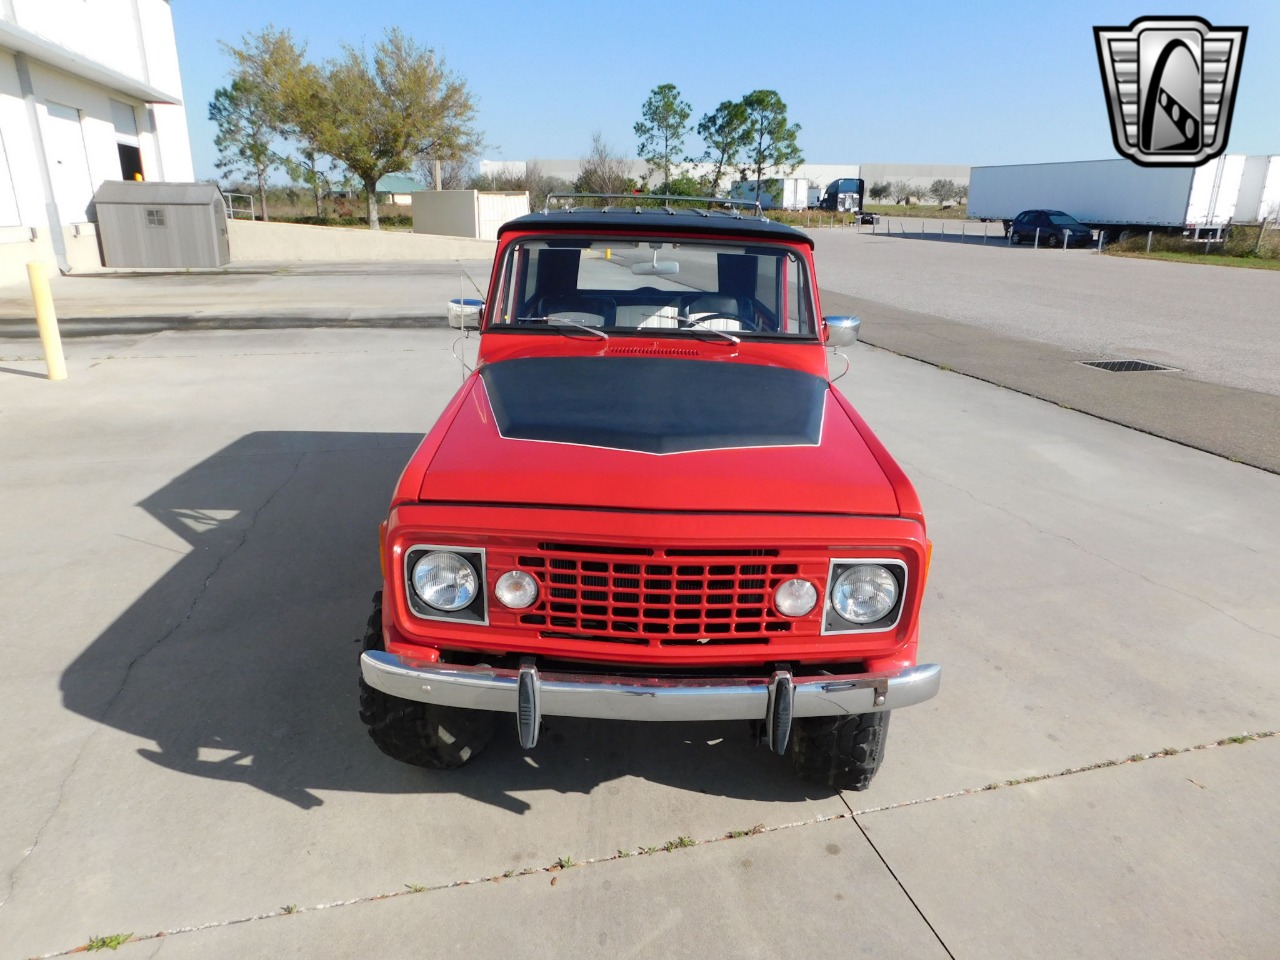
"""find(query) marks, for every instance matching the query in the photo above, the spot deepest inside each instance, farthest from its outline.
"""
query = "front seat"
(717, 311)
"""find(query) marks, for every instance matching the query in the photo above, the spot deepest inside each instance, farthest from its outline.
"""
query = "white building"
(89, 91)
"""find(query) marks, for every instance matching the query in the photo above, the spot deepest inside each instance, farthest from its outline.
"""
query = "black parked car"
(1054, 226)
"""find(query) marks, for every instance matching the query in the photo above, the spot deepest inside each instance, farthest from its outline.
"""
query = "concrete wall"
(450, 213)
(466, 213)
(253, 240)
(20, 245)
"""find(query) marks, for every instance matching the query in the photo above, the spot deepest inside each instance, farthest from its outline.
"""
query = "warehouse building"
(89, 92)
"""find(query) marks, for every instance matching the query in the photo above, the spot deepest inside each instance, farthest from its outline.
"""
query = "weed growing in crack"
(112, 942)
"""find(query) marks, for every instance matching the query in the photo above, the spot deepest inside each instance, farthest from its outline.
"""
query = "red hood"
(474, 463)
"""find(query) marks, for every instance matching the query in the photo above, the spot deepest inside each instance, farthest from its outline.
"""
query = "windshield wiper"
(560, 323)
(694, 328)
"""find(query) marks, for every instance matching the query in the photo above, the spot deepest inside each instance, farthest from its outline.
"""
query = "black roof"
(657, 220)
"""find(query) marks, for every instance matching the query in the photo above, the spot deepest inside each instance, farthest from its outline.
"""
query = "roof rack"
(666, 200)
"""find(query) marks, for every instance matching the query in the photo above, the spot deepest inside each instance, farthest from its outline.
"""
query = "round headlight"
(864, 593)
(795, 598)
(516, 589)
(445, 581)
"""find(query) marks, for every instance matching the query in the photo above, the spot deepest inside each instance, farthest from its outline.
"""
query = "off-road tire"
(839, 752)
(421, 734)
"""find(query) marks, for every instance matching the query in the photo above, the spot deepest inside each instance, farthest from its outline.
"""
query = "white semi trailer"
(782, 193)
(1121, 197)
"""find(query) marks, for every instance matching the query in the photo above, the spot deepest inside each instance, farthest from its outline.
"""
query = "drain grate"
(1124, 366)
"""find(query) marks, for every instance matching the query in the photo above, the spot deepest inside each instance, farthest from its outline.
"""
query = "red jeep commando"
(648, 503)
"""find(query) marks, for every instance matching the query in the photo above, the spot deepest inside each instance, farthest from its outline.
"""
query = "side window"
(799, 319)
(767, 282)
(515, 266)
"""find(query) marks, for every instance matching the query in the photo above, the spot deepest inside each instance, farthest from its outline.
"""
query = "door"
(68, 162)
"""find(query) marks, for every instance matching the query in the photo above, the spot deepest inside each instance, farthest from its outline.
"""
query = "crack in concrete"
(1071, 771)
(12, 879)
(1097, 556)
(567, 863)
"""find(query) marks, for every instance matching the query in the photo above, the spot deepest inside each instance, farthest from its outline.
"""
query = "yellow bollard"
(47, 321)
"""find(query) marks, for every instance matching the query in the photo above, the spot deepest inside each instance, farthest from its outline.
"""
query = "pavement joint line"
(903, 887)
(917, 471)
(124, 682)
(1071, 771)
(567, 863)
(564, 863)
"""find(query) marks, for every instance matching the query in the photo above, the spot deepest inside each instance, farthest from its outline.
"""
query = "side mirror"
(841, 331)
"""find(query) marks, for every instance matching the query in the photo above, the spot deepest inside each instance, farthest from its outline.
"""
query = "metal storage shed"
(162, 224)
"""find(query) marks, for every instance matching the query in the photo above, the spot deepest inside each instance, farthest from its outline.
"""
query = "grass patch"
(930, 210)
(1208, 259)
(1250, 245)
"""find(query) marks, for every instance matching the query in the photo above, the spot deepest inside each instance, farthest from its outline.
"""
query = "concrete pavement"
(190, 522)
(248, 296)
(1028, 319)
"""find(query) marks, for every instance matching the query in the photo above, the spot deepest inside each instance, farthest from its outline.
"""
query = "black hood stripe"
(654, 405)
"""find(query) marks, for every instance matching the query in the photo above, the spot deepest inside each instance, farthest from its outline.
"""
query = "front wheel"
(841, 752)
(421, 734)
(1015, 238)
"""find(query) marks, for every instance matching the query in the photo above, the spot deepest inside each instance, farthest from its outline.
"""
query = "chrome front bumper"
(530, 693)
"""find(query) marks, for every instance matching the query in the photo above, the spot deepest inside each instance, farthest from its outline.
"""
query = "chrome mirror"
(841, 331)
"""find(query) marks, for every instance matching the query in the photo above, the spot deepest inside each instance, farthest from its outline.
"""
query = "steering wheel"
(702, 318)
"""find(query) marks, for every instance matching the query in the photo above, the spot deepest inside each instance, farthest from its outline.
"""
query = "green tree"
(901, 191)
(944, 191)
(771, 141)
(375, 115)
(305, 168)
(662, 130)
(725, 133)
(245, 134)
(878, 191)
(265, 64)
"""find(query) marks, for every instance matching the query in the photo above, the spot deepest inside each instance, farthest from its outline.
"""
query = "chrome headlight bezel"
(475, 612)
(834, 623)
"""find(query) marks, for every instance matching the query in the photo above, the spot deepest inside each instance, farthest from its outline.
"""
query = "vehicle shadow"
(240, 663)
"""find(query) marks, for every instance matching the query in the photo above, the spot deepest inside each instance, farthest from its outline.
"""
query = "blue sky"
(869, 82)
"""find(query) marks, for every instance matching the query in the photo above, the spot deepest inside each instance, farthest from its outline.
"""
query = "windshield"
(656, 286)
(1062, 220)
